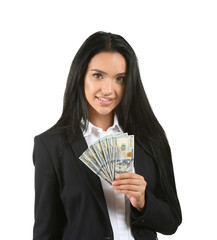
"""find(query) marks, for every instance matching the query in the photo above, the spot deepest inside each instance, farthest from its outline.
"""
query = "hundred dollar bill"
(99, 152)
(101, 164)
(124, 154)
(111, 154)
(91, 156)
(89, 163)
(104, 146)
(111, 150)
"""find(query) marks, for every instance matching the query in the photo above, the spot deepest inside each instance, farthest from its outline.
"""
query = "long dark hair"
(134, 111)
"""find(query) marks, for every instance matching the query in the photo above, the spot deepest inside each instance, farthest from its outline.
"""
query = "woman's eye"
(98, 75)
(121, 79)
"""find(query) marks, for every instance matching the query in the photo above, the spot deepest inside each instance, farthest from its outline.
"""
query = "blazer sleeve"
(156, 216)
(48, 206)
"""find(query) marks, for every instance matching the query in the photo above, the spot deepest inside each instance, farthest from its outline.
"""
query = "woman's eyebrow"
(100, 71)
(97, 70)
(121, 74)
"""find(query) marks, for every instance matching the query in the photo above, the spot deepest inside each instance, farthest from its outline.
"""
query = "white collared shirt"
(118, 204)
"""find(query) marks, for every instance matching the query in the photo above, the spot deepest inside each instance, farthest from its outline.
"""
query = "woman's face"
(104, 83)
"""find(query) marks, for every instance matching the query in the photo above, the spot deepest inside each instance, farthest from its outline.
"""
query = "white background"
(176, 44)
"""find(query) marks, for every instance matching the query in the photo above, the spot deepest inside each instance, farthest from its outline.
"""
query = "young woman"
(104, 95)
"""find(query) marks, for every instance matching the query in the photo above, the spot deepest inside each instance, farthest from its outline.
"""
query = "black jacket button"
(140, 233)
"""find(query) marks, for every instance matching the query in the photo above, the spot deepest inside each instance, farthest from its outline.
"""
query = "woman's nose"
(107, 86)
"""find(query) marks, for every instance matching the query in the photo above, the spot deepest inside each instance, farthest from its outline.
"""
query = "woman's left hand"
(133, 185)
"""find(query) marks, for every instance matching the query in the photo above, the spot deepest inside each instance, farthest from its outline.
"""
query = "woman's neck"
(102, 121)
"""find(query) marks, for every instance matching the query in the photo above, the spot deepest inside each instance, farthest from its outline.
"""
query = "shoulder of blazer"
(58, 135)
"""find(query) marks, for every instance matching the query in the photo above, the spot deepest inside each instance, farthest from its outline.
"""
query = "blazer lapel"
(78, 147)
(144, 166)
(137, 160)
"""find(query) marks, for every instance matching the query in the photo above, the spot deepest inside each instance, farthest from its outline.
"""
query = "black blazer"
(69, 200)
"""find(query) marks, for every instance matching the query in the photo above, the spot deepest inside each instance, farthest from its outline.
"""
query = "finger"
(135, 188)
(135, 181)
(128, 182)
(138, 196)
(128, 175)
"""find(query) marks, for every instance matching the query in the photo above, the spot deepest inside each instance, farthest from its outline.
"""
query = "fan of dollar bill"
(110, 155)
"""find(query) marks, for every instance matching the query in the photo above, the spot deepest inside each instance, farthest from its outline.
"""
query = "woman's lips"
(105, 100)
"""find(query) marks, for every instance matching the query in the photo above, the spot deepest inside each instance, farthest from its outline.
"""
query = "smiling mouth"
(105, 100)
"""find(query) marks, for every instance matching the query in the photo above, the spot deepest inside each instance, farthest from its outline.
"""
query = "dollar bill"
(124, 154)
(88, 162)
(99, 152)
(108, 161)
(110, 155)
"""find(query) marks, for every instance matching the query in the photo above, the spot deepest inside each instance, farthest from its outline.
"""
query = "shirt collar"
(91, 127)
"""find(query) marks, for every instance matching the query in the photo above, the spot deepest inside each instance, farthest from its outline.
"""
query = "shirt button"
(107, 238)
(142, 220)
